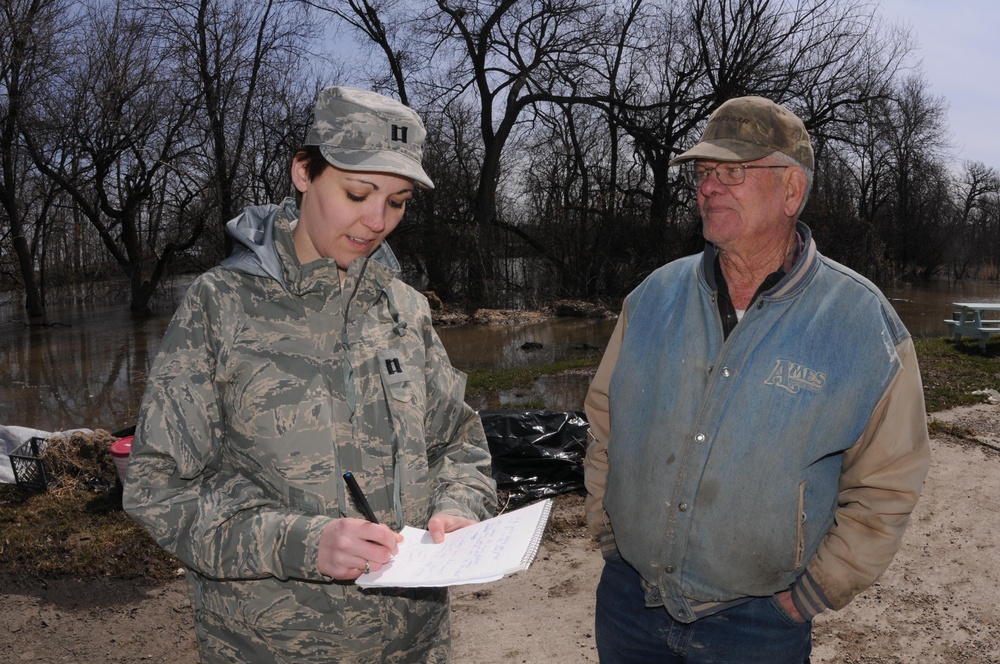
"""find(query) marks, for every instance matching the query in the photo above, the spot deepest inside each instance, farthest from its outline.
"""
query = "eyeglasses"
(729, 174)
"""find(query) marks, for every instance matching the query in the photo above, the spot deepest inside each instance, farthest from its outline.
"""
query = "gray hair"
(785, 159)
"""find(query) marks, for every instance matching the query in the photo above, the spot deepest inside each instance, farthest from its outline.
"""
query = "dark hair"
(315, 162)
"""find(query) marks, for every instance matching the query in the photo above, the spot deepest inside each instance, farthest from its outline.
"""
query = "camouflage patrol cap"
(749, 128)
(359, 130)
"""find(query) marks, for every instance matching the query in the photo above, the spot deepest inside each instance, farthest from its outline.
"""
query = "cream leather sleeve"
(880, 481)
(597, 408)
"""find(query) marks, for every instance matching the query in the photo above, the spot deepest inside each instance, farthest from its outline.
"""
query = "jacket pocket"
(800, 536)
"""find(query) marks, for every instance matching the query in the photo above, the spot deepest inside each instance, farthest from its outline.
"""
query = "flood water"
(87, 367)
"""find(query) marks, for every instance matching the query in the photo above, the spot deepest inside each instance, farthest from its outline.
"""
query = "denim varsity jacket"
(789, 455)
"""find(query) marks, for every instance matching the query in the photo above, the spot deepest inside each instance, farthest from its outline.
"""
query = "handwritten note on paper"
(486, 551)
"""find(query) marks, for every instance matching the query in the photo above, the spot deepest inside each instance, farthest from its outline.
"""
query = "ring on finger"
(367, 569)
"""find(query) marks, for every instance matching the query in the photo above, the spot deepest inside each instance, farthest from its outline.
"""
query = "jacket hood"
(254, 253)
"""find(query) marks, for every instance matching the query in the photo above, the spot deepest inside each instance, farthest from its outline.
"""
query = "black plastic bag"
(536, 453)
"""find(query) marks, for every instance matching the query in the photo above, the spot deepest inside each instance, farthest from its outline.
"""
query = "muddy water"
(86, 368)
(520, 345)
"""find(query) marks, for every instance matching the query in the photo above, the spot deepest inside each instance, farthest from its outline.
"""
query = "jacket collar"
(795, 278)
(262, 246)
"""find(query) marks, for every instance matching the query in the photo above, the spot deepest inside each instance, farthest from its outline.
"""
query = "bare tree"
(379, 26)
(278, 126)
(551, 127)
(579, 192)
(436, 232)
(510, 56)
(566, 190)
(507, 56)
(29, 31)
(821, 57)
(118, 126)
(667, 66)
(232, 52)
(656, 69)
(914, 133)
(974, 230)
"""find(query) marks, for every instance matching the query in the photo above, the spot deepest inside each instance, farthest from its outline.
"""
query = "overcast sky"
(958, 44)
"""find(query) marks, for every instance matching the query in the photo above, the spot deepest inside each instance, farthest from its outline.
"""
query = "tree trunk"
(32, 296)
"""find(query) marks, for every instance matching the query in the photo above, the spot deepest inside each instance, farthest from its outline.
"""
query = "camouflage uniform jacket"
(272, 380)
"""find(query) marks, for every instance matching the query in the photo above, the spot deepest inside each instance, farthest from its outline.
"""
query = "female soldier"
(302, 357)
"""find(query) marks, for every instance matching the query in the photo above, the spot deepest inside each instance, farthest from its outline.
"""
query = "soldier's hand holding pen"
(350, 547)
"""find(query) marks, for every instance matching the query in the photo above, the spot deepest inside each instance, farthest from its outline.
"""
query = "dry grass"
(81, 460)
(77, 527)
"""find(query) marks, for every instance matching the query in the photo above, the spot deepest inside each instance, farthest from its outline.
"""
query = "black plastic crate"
(26, 461)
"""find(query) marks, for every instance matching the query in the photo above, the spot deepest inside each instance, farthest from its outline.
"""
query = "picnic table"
(979, 320)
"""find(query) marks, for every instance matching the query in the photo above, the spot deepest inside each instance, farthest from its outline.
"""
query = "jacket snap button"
(683, 507)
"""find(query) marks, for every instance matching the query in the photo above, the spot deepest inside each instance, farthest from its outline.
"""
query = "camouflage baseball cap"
(358, 130)
(749, 128)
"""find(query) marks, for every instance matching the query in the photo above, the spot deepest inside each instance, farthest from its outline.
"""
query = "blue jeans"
(628, 632)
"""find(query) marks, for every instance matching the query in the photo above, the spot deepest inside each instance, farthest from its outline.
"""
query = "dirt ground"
(939, 601)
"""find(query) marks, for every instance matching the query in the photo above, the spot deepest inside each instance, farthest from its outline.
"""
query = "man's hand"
(785, 599)
(445, 523)
(346, 546)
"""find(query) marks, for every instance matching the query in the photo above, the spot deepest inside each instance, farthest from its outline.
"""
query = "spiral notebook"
(480, 553)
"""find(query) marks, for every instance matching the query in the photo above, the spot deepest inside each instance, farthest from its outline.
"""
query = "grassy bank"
(84, 534)
(952, 372)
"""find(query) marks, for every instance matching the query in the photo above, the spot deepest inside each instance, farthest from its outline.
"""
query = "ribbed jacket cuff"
(607, 542)
(808, 597)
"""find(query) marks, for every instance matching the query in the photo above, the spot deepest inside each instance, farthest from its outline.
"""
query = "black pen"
(359, 497)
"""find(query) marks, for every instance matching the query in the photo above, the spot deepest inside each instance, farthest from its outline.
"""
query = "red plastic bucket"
(120, 451)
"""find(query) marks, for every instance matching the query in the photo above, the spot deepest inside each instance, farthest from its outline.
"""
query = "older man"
(758, 429)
